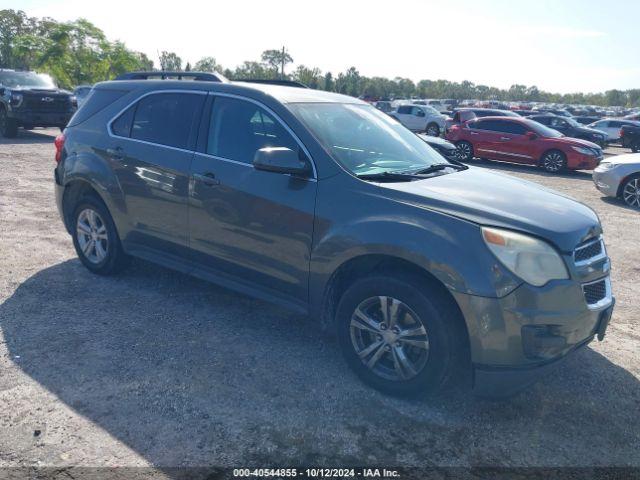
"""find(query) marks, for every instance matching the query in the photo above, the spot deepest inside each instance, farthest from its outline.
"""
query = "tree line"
(78, 52)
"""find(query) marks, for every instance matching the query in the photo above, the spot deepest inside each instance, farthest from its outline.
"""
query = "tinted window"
(491, 125)
(122, 126)
(166, 118)
(404, 109)
(543, 120)
(557, 123)
(615, 124)
(96, 100)
(513, 128)
(239, 128)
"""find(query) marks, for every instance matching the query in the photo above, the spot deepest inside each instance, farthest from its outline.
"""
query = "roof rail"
(164, 75)
(285, 83)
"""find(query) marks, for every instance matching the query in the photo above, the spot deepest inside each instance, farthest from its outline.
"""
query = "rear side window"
(96, 100)
(404, 109)
(165, 118)
(239, 128)
(122, 126)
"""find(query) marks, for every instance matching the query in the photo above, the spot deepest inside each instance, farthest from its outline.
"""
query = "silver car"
(620, 177)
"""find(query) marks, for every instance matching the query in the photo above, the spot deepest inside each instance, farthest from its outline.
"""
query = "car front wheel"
(554, 161)
(433, 130)
(395, 336)
(95, 238)
(8, 126)
(464, 150)
(631, 192)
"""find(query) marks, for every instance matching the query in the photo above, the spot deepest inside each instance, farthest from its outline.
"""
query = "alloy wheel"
(463, 151)
(553, 162)
(631, 193)
(92, 236)
(389, 338)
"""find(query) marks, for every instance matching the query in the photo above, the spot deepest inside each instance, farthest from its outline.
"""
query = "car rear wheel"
(554, 161)
(394, 335)
(95, 238)
(433, 130)
(635, 147)
(631, 192)
(464, 150)
(8, 126)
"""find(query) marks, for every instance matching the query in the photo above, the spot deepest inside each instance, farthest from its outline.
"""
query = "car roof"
(284, 94)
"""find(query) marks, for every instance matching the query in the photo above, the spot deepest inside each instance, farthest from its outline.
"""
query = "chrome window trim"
(278, 119)
(604, 302)
(588, 261)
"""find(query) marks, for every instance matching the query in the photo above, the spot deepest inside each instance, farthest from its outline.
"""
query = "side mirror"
(532, 135)
(280, 160)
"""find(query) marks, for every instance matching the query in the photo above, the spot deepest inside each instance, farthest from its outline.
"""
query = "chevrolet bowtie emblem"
(47, 99)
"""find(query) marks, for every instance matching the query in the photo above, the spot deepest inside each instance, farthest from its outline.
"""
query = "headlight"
(16, 99)
(605, 166)
(534, 261)
(584, 150)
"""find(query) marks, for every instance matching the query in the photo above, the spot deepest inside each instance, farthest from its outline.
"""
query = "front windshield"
(364, 140)
(542, 130)
(26, 80)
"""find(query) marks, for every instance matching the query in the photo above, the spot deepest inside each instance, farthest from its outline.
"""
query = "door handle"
(207, 178)
(474, 133)
(116, 153)
(505, 138)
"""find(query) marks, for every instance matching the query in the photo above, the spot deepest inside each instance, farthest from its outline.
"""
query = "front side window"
(239, 128)
(364, 140)
(166, 118)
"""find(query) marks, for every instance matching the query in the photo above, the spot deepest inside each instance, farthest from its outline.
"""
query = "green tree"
(170, 61)
(207, 64)
(277, 60)
(311, 77)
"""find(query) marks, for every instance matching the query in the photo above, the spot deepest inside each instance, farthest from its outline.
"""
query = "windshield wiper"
(390, 176)
(437, 167)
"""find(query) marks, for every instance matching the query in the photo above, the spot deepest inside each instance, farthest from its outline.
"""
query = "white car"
(612, 126)
(420, 118)
(619, 176)
(438, 105)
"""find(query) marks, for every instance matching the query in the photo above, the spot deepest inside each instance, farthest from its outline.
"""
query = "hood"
(576, 141)
(44, 91)
(493, 199)
(626, 159)
(441, 142)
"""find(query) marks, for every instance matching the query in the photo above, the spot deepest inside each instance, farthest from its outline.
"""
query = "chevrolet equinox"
(320, 202)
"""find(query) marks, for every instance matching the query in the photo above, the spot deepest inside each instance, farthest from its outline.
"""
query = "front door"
(251, 226)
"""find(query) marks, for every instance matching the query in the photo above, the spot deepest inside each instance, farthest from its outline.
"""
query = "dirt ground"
(156, 368)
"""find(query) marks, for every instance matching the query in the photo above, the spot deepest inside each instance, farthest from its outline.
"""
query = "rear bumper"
(41, 119)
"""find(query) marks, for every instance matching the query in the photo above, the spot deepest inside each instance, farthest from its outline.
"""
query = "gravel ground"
(156, 368)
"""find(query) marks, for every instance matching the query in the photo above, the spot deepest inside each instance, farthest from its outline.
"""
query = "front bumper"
(516, 338)
(607, 181)
(579, 161)
(41, 119)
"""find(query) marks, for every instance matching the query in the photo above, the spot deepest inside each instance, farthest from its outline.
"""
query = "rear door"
(250, 226)
(404, 115)
(151, 148)
(485, 138)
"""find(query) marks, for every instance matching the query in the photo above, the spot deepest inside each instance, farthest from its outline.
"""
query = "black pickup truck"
(630, 137)
(29, 99)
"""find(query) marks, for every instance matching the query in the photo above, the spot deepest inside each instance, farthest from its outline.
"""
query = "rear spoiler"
(165, 75)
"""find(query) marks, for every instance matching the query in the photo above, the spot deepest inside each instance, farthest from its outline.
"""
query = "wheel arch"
(367, 264)
(625, 180)
(74, 191)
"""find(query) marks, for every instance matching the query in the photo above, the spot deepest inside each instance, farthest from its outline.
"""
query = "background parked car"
(630, 137)
(586, 120)
(620, 177)
(569, 127)
(521, 140)
(420, 118)
(445, 148)
(612, 126)
(81, 93)
(463, 115)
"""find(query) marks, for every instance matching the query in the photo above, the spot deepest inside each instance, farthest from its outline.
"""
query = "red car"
(521, 140)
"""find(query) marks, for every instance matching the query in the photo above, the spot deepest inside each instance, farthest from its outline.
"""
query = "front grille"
(594, 292)
(58, 103)
(588, 251)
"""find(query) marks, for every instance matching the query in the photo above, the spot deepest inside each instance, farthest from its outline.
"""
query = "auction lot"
(152, 367)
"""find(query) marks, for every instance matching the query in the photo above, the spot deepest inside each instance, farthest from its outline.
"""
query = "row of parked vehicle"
(555, 141)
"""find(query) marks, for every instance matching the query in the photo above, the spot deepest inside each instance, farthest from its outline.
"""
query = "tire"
(432, 130)
(635, 147)
(464, 150)
(92, 224)
(630, 191)
(554, 161)
(8, 126)
(378, 354)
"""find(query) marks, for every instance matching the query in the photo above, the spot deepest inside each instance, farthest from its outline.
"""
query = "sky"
(558, 45)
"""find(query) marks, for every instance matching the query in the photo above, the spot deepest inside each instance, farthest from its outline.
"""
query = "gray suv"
(423, 267)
